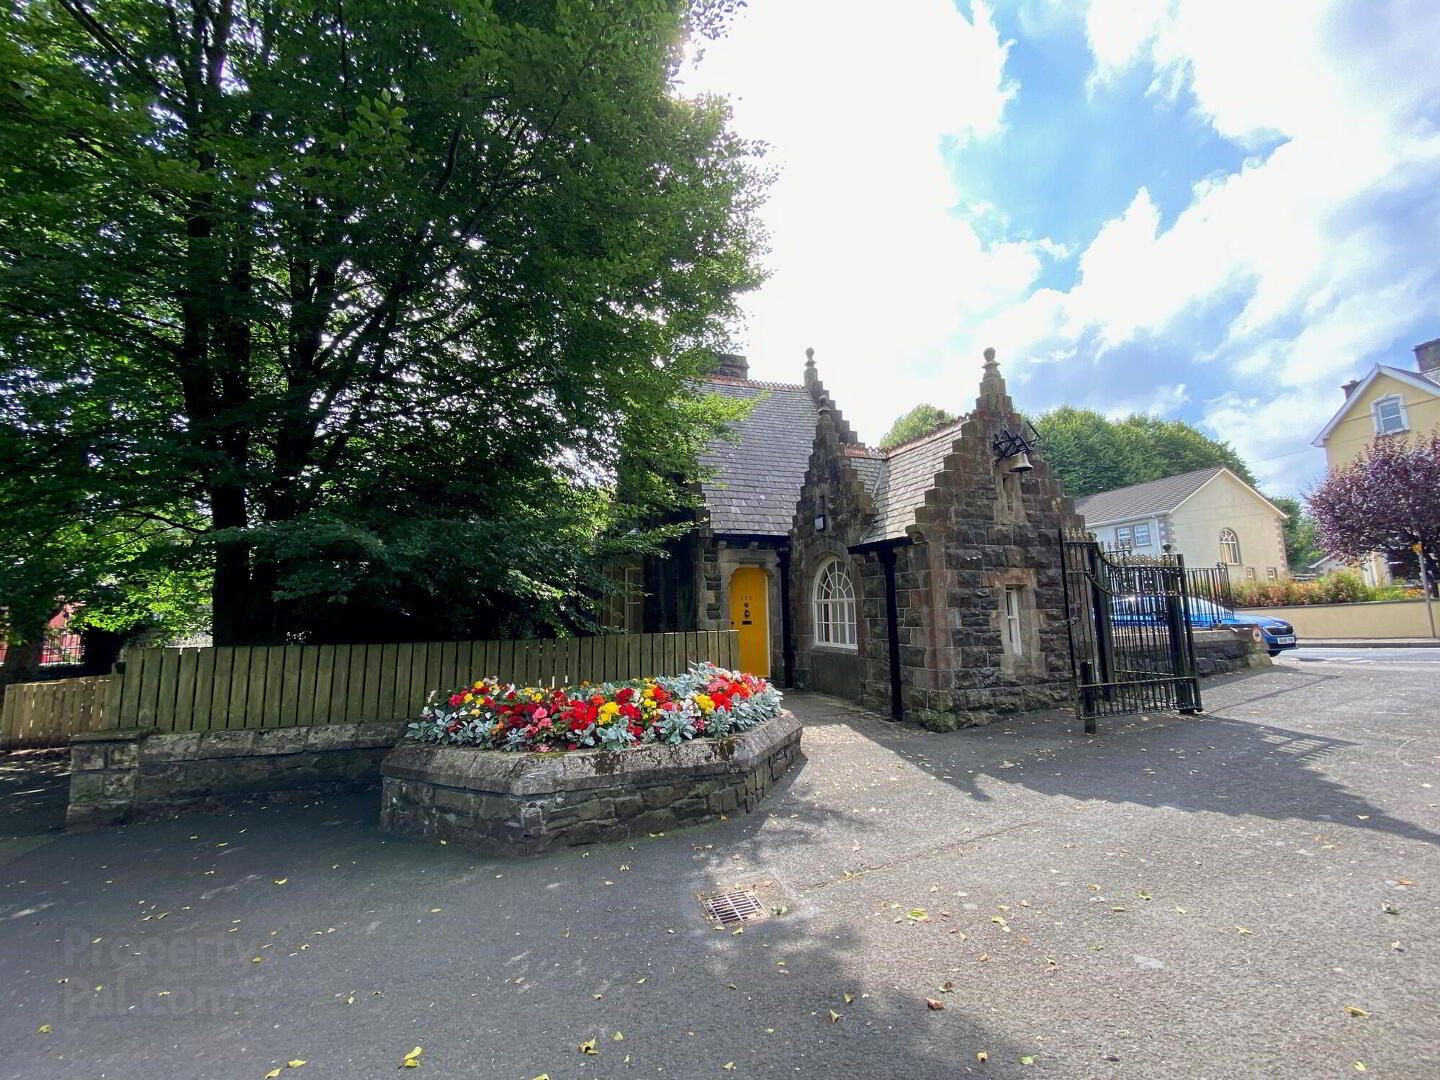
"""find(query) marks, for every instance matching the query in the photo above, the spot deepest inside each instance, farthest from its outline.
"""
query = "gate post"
(1182, 644)
(1100, 605)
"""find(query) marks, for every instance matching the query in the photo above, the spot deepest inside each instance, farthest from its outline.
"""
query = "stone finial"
(811, 377)
(992, 384)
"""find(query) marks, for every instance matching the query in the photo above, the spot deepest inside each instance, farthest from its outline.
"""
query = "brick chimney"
(731, 365)
(1427, 358)
(1349, 387)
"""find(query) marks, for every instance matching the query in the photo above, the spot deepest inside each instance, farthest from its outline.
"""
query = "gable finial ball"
(989, 356)
(810, 355)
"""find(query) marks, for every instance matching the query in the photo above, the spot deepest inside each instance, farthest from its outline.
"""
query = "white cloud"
(1302, 251)
(1328, 279)
(872, 264)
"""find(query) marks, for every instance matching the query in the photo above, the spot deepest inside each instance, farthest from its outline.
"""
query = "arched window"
(1229, 547)
(834, 603)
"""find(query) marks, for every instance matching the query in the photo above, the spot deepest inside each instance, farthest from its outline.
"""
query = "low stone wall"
(141, 774)
(503, 803)
(1221, 652)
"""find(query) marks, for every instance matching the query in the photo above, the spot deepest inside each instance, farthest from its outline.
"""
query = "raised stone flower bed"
(504, 803)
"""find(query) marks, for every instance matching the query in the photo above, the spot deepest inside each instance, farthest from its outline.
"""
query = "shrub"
(706, 700)
(1339, 587)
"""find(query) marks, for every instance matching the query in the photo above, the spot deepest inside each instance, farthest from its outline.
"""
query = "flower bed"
(704, 701)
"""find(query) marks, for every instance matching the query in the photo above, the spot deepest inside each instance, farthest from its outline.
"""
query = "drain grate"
(733, 907)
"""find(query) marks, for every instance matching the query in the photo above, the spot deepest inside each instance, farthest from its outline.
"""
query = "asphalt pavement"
(1341, 655)
(1249, 893)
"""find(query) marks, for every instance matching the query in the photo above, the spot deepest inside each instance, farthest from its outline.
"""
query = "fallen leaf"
(947, 987)
(542, 1076)
(296, 1063)
(918, 914)
(272, 1074)
(834, 1016)
(412, 1059)
(588, 1047)
(1242, 930)
(731, 986)
(1143, 895)
(849, 997)
(1354, 1011)
(45, 1029)
(257, 959)
(934, 1004)
(982, 1057)
(281, 880)
(1360, 1067)
(1027, 1059)
(433, 910)
(597, 997)
(729, 1066)
(617, 1037)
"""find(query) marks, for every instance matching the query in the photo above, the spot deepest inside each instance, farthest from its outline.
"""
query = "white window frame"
(832, 601)
(1401, 415)
(1271, 574)
(1123, 536)
(1230, 547)
(1249, 573)
(1013, 618)
(1135, 531)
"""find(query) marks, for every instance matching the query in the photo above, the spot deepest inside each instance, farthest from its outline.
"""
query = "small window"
(1229, 547)
(1122, 536)
(1142, 536)
(1271, 573)
(1249, 573)
(834, 605)
(1014, 620)
(1389, 413)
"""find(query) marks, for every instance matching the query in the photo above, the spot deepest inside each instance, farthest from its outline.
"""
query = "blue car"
(1203, 615)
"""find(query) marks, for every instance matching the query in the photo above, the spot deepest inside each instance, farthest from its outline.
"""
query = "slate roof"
(756, 481)
(1137, 500)
(903, 476)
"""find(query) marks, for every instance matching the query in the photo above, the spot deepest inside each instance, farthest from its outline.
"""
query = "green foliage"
(921, 420)
(1339, 587)
(1302, 544)
(394, 311)
(1091, 453)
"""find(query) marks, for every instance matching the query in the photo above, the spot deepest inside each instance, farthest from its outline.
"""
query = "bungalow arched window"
(834, 606)
(1229, 547)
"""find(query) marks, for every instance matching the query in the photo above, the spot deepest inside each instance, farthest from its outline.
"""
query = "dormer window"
(1389, 414)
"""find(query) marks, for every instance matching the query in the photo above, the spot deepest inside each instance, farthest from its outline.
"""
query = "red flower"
(624, 696)
(630, 712)
(661, 695)
(457, 699)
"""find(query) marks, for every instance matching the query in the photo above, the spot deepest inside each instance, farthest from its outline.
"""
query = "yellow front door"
(749, 614)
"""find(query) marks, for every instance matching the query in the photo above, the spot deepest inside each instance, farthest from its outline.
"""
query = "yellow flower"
(469, 696)
(704, 703)
(479, 685)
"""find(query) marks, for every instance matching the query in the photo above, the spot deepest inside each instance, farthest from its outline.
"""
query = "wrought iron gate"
(1130, 643)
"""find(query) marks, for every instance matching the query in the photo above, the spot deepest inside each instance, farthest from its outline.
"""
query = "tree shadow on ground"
(1218, 762)
(34, 788)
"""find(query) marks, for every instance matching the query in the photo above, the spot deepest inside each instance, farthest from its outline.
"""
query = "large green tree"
(1092, 453)
(1302, 540)
(377, 304)
(920, 420)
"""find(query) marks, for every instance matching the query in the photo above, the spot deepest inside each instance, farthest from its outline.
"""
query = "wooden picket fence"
(294, 685)
(48, 713)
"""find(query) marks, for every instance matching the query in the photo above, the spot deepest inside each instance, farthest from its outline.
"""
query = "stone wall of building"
(141, 774)
(501, 803)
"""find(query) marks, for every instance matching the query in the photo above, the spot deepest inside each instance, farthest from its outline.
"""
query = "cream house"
(1386, 403)
(1210, 516)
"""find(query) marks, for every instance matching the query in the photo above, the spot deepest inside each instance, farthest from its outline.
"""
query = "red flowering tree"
(1386, 500)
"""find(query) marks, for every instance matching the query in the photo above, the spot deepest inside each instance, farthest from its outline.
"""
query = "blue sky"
(1211, 210)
